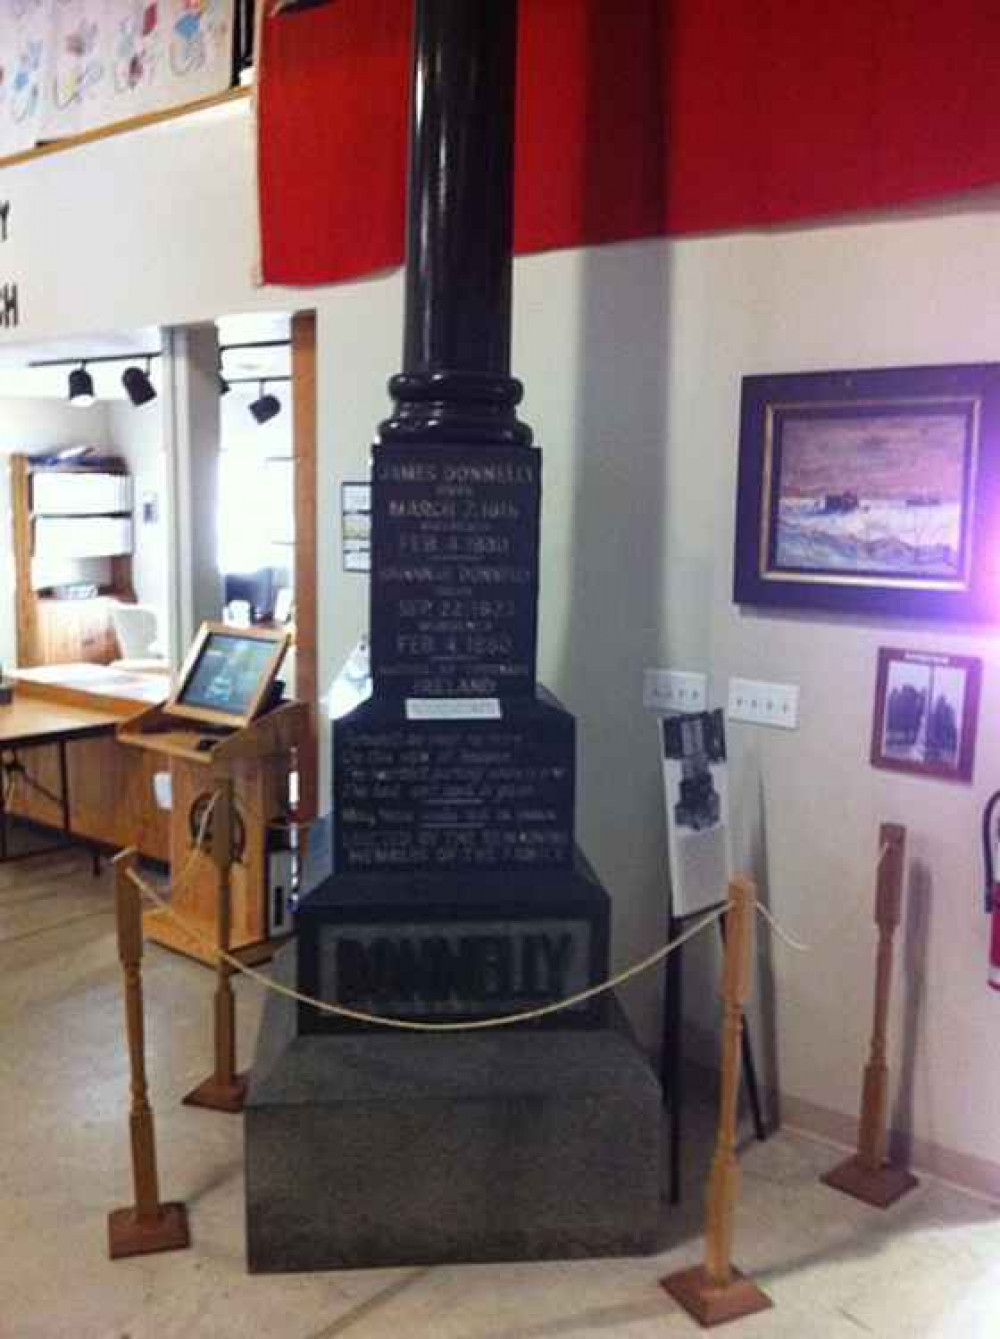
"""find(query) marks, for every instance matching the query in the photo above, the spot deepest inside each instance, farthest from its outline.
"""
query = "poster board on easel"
(696, 796)
(699, 841)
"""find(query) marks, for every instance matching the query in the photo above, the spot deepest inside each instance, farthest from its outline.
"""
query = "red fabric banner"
(634, 119)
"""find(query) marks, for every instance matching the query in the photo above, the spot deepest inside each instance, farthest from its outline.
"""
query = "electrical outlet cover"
(759, 703)
(667, 690)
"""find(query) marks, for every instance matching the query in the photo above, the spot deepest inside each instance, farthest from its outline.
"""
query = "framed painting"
(926, 708)
(871, 491)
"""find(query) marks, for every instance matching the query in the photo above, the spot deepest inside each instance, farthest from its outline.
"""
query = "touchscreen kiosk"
(228, 674)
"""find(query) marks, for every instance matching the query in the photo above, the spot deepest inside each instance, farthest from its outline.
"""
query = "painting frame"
(901, 530)
(903, 740)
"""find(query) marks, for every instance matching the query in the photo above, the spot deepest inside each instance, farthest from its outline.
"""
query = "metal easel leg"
(671, 1076)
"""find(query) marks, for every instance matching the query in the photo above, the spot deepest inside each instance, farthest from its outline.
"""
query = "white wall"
(191, 398)
(632, 356)
(136, 433)
(33, 425)
(905, 291)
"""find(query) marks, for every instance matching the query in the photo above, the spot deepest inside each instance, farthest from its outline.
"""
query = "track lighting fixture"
(138, 387)
(81, 387)
(265, 407)
(137, 382)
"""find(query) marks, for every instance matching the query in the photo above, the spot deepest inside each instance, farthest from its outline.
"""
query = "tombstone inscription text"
(455, 570)
(454, 794)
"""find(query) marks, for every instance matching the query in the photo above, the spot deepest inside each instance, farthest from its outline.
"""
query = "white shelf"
(57, 538)
(83, 493)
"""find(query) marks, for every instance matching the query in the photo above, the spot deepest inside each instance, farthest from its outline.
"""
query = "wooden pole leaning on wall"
(148, 1225)
(715, 1292)
(224, 1089)
(868, 1175)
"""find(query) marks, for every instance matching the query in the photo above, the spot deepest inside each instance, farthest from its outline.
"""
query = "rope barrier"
(186, 871)
(409, 1025)
(781, 932)
(778, 929)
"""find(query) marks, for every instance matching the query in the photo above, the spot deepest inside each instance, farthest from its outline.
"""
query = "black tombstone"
(457, 890)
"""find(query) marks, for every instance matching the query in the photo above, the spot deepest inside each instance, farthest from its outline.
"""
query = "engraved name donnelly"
(448, 969)
(400, 472)
(425, 574)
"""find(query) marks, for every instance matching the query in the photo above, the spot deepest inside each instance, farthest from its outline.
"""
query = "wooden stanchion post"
(224, 1089)
(868, 1175)
(148, 1225)
(716, 1292)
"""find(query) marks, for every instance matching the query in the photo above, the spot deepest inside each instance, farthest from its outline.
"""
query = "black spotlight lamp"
(224, 386)
(81, 387)
(265, 407)
(138, 387)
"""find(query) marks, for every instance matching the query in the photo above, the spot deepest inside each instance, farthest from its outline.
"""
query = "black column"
(456, 385)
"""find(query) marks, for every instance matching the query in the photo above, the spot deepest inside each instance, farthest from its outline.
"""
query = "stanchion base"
(711, 1304)
(878, 1188)
(128, 1234)
(218, 1096)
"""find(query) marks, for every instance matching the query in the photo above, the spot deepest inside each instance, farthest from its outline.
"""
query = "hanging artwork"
(24, 38)
(926, 706)
(69, 66)
(871, 491)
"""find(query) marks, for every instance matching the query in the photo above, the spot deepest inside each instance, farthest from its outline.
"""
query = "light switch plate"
(758, 703)
(675, 690)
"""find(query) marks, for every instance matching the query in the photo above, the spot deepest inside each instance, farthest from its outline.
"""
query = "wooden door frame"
(303, 335)
(25, 606)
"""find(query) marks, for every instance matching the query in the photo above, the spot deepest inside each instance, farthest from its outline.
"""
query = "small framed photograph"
(871, 491)
(356, 526)
(926, 708)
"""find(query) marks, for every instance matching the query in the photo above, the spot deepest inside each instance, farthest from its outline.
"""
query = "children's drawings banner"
(67, 66)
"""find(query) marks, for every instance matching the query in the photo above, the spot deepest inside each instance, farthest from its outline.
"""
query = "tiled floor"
(929, 1269)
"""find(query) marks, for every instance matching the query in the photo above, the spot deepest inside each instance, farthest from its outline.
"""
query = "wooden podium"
(257, 759)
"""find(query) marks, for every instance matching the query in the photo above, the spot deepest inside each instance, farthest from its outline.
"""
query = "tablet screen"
(228, 674)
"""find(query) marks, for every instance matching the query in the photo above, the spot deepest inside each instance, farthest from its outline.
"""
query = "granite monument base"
(380, 1150)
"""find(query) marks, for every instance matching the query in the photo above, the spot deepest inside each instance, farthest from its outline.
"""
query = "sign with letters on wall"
(10, 316)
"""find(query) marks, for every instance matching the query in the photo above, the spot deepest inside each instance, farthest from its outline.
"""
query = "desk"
(30, 723)
(110, 788)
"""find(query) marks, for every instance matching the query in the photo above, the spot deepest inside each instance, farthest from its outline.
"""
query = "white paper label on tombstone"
(453, 709)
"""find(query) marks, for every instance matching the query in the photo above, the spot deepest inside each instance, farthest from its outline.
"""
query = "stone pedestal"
(456, 891)
(400, 1149)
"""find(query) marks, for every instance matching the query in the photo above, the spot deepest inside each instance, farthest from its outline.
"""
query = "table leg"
(64, 788)
(3, 807)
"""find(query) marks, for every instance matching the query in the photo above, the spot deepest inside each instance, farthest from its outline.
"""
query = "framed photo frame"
(926, 711)
(873, 492)
(356, 526)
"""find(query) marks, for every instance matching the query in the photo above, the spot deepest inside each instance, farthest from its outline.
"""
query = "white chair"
(136, 627)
